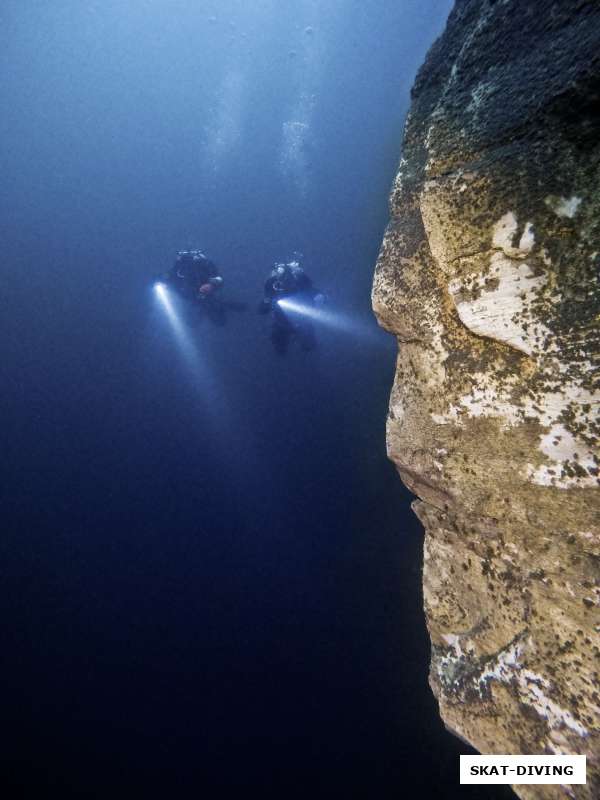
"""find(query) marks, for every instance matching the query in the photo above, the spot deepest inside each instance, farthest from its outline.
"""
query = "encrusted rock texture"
(488, 277)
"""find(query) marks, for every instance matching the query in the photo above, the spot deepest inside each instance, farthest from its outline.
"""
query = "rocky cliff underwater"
(488, 277)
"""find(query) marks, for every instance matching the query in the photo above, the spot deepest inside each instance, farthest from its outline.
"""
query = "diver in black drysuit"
(290, 281)
(196, 278)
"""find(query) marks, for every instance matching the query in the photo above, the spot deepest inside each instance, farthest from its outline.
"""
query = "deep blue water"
(210, 572)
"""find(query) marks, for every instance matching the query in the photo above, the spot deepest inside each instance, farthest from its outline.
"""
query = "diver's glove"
(264, 306)
(205, 290)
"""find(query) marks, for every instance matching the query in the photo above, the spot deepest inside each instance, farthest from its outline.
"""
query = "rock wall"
(488, 277)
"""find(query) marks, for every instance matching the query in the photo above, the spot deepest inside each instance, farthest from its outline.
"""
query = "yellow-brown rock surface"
(488, 277)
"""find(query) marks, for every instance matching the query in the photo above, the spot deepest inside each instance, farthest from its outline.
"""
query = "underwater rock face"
(488, 277)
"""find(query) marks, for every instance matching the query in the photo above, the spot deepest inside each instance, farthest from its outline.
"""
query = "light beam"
(182, 338)
(331, 319)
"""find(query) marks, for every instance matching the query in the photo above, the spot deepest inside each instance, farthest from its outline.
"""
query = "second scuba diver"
(287, 281)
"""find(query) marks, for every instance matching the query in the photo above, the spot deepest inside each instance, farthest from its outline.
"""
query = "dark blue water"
(210, 572)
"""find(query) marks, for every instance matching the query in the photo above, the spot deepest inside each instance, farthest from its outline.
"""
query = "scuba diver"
(193, 275)
(196, 278)
(285, 282)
